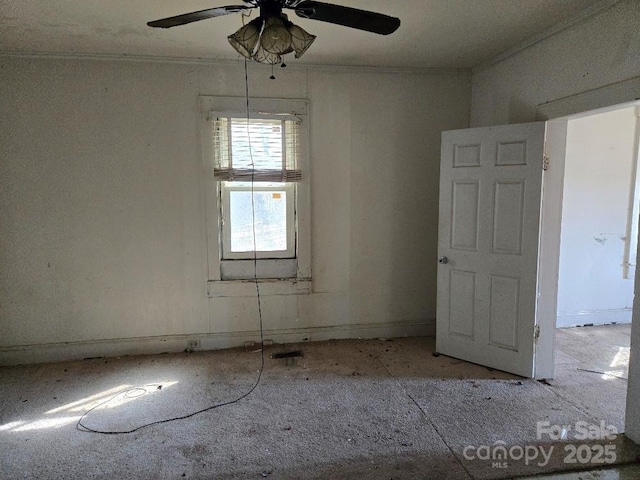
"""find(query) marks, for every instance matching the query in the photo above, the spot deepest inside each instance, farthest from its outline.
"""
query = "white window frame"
(292, 270)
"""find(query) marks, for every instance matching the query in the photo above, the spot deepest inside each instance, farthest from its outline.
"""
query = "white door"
(490, 196)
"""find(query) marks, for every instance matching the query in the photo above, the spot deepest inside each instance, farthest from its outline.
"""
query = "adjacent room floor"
(379, 409)
(592, 367)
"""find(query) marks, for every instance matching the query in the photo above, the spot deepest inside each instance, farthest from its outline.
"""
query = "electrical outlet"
(193, 344)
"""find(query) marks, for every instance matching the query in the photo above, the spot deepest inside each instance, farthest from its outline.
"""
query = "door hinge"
(536, 333)
(545, 162)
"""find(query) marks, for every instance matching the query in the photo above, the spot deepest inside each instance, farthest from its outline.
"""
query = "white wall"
(102, 205)
(597, 52)
(597, 185)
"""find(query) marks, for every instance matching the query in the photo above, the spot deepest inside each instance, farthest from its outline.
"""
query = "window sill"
(266, 269)
(268, 287)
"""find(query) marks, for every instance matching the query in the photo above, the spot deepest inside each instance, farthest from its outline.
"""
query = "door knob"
(443, 260)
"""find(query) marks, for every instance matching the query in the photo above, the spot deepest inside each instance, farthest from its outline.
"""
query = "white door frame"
(549, 247)
(610, 97)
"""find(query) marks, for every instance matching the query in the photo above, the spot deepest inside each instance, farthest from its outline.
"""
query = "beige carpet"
(345, 409)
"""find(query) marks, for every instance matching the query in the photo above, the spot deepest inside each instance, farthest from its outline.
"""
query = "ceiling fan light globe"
(263, 56)
(245, 39)
(275, 37)
(301, 40)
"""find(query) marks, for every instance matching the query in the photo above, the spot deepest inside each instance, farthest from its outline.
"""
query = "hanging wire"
(127, 393)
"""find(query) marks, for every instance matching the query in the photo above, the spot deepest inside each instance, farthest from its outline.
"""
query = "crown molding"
(233, 63)
(568, 22)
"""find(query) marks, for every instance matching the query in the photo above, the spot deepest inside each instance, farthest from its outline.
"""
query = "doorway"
(599, 231)
(463, 149)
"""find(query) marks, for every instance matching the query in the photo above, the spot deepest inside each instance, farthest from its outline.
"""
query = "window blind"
(260, 149)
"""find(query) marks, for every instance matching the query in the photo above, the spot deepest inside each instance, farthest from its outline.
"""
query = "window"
(257, 203)
(257, 188)
(274, 214)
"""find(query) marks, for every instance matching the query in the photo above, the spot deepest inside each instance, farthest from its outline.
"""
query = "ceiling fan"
(270, 36)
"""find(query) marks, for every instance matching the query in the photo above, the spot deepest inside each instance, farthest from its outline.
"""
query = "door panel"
(464, 220)
(463, 287)
(490, 193)
(503, 312)
(508, 210)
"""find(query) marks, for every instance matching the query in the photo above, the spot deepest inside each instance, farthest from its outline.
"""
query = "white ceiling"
(433, 33)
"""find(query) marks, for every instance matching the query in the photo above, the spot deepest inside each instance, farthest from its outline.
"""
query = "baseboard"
(595, 317)
(56, 352)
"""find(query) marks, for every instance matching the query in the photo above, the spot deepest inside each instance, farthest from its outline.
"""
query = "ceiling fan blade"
(196, 16)
(348, 17)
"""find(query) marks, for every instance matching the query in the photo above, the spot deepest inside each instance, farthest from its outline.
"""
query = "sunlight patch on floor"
(86, 402)
(107, 399)
(618, 365)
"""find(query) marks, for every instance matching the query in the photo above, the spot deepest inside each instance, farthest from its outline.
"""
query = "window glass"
(270, 220)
